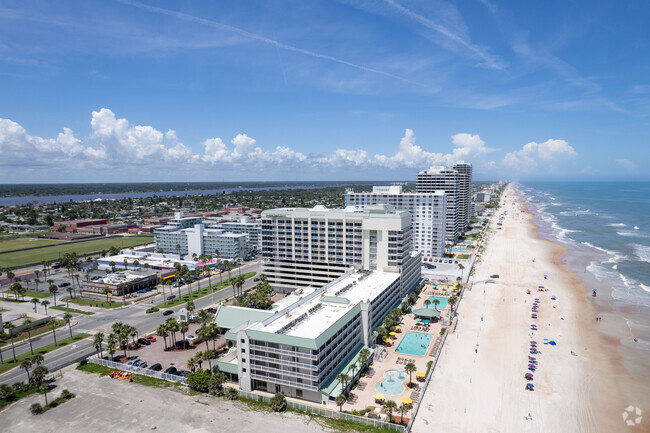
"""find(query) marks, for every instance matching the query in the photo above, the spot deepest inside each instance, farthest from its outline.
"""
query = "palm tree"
(36, 281)
(97, 343)
(190, 306)
(53, 290)
(26, 364)
(215, 334)
(204, 317)
(208, 270)
(112, 265)
(427, 303)
(37, 359)
(340, 400)
(10, 327)
(191, 364)
(461, 267)
(111, 344)
(204, 333)
(70, 292)
(351, 369)
(133, 332)
(436, 303)
(27, 322)
(390, 407)
(198, 357)
(343, 379)
(67, 318)
(16, 288)
(263, 278)
(172, 327)
(206, 357)
(45, 303)
(403, 409)
(126, 264)
(161, 331)
(178, 249)
(107, 292)
(410, 368)
(35, 301)
(364, 356)
(183, 327)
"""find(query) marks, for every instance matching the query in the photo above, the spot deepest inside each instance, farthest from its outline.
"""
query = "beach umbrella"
(392, 333)
(426, 321)
(397, 327)
(534, 316)
(552, 343)
(419, 374)
(407, 400)
(379, 397)
(537, 299)
(529, 376)
(530, 386)
(532, 358)
(533, 366)
(386, 340)
(533, 342)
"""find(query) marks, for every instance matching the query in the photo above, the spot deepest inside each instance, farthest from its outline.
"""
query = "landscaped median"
(9, 363)
(87, 302)
(204, 291)
(26, 297)
(72, 310)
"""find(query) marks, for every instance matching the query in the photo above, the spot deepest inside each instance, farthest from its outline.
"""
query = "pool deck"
(363, 395)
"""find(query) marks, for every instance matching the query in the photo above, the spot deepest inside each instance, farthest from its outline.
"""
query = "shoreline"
(479, 383)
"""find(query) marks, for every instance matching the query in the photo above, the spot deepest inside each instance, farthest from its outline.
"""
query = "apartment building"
(251, 228)
(311, 247)
(428, 211)
(201, 240)
(300, 348)
(456, 184)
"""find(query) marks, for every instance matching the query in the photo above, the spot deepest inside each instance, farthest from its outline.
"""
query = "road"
(101, 321)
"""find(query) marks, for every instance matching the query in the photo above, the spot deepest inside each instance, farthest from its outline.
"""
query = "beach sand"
(479, 384)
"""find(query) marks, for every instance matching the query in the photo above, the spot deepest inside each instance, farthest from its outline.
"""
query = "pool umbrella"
(392, 333)
(407, 400)
(427, 321)
(386, 340)
(419, 374)
(397, 327)
(379, 397)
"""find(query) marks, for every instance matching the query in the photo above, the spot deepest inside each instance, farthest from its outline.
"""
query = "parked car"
(150, 339)
(156, 367)
(182, 373)
(114, 358)
(256, 279)
(211, 310)
(170, 370)
(494, 276)
(170, 297)
(64, 284)
(133, 361)
(140, 363)
(167, 312)
(144, 341)
(183, 344)
(190, 338)
(489, 281)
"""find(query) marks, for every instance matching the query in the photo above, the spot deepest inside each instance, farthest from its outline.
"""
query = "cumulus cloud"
(115, 143)
(532, 154)
(626, 163)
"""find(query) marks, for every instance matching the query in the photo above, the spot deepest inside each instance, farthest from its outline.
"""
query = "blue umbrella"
(427, 321)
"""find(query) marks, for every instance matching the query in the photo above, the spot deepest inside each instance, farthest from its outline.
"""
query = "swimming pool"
(392, 383)
(414, 343)
(441, 306)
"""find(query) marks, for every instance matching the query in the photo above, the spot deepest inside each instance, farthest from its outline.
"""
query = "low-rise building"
(73, 225)
(300, 349)
(122, 283)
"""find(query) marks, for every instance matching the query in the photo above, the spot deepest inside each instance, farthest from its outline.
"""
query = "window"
(299, 393)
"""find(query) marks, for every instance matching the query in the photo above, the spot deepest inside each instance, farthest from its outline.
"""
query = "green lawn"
(93, 303)
(54, 252)
(205, 291)
(142, 380)
(9, 361)
(41, 329)
(72, 310)
(20, 394)
(21, 243)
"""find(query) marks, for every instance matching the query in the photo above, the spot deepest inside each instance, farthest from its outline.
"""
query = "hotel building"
(311, 247)
(428, 212)
(300, 346)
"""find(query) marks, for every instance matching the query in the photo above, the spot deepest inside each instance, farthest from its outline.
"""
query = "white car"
(190, 338)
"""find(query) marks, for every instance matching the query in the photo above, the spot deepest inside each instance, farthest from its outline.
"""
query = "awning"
(427, 312)
(169, 276)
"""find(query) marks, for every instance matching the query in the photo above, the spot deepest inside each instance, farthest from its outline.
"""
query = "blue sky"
(127, 90)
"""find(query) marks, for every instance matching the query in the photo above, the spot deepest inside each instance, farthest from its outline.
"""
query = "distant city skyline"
(136, 91)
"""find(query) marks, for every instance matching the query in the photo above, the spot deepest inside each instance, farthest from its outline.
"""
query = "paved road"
(133, 315)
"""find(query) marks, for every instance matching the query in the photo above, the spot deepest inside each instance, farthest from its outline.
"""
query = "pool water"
(392, 383)
(442, 305)
(414, 343)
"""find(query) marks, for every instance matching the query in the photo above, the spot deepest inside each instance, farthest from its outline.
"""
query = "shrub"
(442, 331)
(54, 403)
(36, 408)
(199, 380)
(278, 402)
(152, 310)
(215, 386)
(18, 386)
(67, 394)
(6, 392)
(83, 362)
(232, 394)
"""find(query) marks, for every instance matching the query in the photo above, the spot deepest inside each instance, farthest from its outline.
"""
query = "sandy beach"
(479, 384)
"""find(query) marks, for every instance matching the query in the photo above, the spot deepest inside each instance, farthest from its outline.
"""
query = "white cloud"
(626, 163)
(532, 154)
(114, 143)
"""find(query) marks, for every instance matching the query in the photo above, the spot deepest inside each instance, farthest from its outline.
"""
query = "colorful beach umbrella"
(528, 376)
(532, 358)
(533, 342)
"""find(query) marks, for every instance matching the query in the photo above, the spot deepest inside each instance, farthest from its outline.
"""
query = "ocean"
(606, 229)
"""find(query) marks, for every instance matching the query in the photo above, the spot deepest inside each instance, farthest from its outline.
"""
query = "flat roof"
(312, 318)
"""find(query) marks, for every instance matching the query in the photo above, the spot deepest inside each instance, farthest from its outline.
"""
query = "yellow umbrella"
(379, 396)
(407, 400)
(392, 333)
(386, 340)
(397, 327)
(419, 374)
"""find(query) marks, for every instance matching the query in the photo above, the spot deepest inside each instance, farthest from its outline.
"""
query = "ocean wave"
(617, 225)
(642, 252)
(644, 287)
(627, 234)
(575, 212)
(595, 247)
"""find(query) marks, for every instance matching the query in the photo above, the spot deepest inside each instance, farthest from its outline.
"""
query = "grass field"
(205, 291)
(52, 253)
(41, 329)
(93, 303)
(21, 243)
(72, 310)
(9, 362)
(8, 295)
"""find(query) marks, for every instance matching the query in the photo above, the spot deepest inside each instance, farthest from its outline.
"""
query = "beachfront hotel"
(311, 247)
(428, 212)
(456, 182)
(300, 346)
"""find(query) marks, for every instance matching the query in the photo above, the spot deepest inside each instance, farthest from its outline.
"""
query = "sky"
(137, 90)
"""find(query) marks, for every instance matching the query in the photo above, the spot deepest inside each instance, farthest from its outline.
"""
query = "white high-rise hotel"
(427, 209)
(457, 186)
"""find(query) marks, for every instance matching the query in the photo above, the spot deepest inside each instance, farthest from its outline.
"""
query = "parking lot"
(155, 353)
